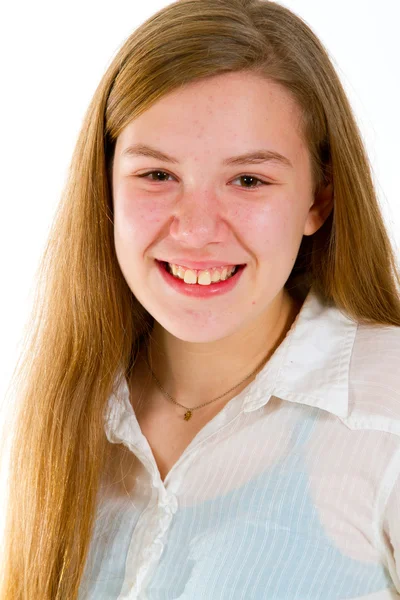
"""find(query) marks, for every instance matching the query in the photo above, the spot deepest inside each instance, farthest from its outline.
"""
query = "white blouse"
(291, 492)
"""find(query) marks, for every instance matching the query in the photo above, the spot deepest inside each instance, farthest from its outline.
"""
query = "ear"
(320, 209)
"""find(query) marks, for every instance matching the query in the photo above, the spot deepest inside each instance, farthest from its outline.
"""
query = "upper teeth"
(204, 277)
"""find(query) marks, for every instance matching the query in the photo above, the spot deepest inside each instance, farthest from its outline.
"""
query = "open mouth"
(200, 290)
(168, 269)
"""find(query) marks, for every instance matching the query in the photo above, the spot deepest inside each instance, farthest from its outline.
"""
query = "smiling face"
(204, 209)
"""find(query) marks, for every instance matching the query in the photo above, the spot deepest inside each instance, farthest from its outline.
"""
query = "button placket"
(154, 546)
(173, 504)
(155, 549)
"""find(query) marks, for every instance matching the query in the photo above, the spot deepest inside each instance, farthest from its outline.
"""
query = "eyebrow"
(254, 157)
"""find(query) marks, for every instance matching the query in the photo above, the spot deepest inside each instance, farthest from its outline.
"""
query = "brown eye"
(253, 179)
(145, 175)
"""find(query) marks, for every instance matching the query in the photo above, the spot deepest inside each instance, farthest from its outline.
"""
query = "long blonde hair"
(86, 324)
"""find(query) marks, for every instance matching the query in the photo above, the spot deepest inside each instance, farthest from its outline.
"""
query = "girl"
(210, 403)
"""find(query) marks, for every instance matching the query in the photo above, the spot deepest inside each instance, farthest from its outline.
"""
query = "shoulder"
(376, 355)
(374, 378)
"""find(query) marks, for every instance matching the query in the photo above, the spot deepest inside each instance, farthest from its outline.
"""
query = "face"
(202, 209)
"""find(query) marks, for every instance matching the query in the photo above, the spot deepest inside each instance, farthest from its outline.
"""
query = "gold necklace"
(189, 411)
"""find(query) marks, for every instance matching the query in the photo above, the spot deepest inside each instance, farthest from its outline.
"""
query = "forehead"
(223, 113)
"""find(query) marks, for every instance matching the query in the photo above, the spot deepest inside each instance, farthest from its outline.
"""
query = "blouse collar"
(311, 365)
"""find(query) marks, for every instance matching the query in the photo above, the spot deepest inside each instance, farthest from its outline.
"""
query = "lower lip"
(195, 289)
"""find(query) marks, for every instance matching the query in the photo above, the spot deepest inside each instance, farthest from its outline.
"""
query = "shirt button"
(169, 512)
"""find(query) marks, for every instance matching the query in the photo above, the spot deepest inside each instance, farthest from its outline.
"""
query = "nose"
(197, 220)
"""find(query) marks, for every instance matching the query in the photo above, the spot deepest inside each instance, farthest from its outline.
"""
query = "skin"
(200, 348)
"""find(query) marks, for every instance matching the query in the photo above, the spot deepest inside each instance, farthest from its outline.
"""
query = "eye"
(152, 172)
(245, 178)
(251, 177)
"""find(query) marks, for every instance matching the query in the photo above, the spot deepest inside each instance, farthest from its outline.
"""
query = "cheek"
(269, 228)
(135, 218)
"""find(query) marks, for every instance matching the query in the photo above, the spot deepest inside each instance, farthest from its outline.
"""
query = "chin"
(199, 330)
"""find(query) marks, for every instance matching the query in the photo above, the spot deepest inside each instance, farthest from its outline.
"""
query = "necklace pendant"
(188, 414)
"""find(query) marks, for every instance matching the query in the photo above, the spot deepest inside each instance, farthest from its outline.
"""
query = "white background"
(53, 56)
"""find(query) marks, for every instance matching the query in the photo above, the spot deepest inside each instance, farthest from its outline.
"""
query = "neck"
(197, 373)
